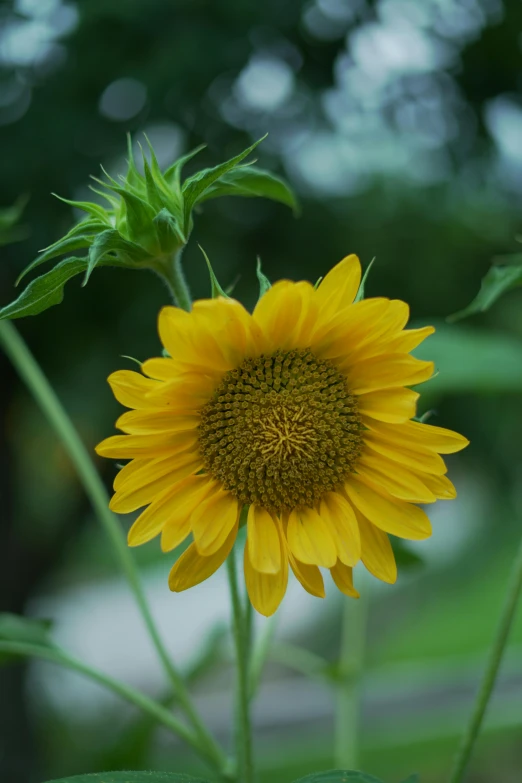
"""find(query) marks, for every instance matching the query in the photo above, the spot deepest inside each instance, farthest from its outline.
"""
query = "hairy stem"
(172, 272)
(490, 674)
(52, 408)
(243, 728)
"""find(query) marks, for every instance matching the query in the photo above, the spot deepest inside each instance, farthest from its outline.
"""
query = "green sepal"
(339, 776)
(215, 288)
(169, 233)
(250, 181)
(173, 173)
(360, 292)
(318, 283)
(90, 207)
(131, 777)
(122, 252)
(139, 217)
(66, 245)
(497, 281)
(195, 187)
(264, 282)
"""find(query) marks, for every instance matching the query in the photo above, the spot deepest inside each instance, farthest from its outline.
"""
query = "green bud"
(145, 223)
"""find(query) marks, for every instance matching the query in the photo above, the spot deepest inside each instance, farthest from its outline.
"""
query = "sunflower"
(299, 415)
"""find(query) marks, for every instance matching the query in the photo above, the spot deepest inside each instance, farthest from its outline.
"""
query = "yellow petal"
(340, 516)
(393, 516)
(390, 405)
(162, 368)
(172, 507)
(377, 336)
(234, 327)
(385, 372)
(343, 578)
(213, 520)
(377, 552)
(280, 312)
(263, 541)
(339, 288)
(409, 339)
(344, 333)
(144, 486)
(129, 470)
(441, 487)
(309, 576)
(394, 478)
(192, 568)
(159, 422)
(309, 538)
(266, 591)
(131, 389)
(190, 341)
(145, 446)
(437, 438)
(179, 524)
(416, 458)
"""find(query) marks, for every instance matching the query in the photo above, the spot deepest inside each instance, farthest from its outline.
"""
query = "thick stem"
(172, 272)
(52, 408)
(243, 729)
(513, 593)
(353, 637)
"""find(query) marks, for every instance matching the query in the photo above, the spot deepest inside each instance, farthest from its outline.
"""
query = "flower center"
(281, 430)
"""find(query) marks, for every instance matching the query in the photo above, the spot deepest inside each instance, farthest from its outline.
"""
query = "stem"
(243, 729)
(172, 272)
(259, 654)
(126, 691)
(353, 637)
(52, 408)
(490, 675)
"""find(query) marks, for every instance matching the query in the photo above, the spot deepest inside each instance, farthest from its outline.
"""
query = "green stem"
(353, 637)
(52, 408)
(513, 593)
(243, 729)
(147, 705)
(259, 655)
(172, 272)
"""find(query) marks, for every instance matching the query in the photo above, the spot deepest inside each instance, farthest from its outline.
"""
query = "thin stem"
(52, 408)
(513, 593)
(129, 693)
(353, 638)
(243, 729)
(172, 272)
(259, 654)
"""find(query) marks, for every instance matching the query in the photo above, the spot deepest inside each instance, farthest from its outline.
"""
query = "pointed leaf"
(497, 281)
(250, 181)
(360, 292)
(339, 776)
(264, 282)
(125, 253)
(194, 187)
(61, 248)
(131, 777)
(45, 291)
(86, 206)
(173, 173)
(215, 287)
(139, 215)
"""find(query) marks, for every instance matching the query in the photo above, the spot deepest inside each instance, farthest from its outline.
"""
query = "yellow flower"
(300, 412)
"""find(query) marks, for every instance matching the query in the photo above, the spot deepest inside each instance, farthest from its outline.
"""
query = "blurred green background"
(399, 124)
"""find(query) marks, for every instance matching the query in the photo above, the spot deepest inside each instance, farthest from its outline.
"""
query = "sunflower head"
(300, 414)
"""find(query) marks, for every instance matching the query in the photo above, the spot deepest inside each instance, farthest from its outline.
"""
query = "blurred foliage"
(435, 211)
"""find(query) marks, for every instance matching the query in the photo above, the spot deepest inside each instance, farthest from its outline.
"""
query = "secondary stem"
(52, 408)
(490, 675)
(172, 273)
(353, 637)
(243, 729)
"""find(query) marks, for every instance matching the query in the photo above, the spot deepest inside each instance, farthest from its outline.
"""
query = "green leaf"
(250, 181)
(169, 233)
(497, 281)
(131, 777)
(87, 206)
(65, 245)
(45, 291)
(15, 628)
(194, 187)
(264, 282)
(216, 289)
(173, 173)
(360, 292)
(125, 253)
(339, 776)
